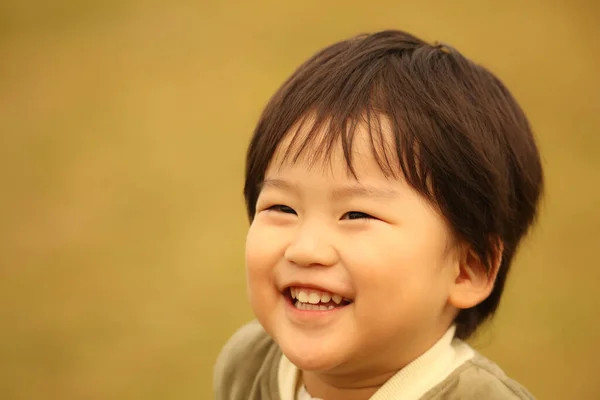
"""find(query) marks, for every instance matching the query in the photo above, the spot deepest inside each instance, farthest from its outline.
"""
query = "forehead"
(356, 148)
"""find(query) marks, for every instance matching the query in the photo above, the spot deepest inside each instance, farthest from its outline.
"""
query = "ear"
(473, 283)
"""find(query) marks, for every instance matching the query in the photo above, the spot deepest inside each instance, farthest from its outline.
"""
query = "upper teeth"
(314, 296)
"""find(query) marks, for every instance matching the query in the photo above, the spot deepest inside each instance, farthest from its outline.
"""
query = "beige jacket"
(247, 369)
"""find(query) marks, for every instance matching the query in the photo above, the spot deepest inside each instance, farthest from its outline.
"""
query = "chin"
(309, 358)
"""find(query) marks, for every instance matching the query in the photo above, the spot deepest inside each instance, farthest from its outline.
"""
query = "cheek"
(400, 264)
(257, 255)
(262, 256)
(263, 249)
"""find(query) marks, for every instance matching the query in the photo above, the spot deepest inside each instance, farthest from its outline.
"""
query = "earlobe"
(473, 281)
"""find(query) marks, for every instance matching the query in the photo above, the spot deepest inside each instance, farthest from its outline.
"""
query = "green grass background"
(123, 127)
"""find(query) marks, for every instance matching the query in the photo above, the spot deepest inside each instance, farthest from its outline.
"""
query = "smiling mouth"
(314, 300)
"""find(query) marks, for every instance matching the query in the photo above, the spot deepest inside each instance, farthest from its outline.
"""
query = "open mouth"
(314, 300)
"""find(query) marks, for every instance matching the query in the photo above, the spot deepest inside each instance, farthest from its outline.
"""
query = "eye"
(282, 209)
(356, 215)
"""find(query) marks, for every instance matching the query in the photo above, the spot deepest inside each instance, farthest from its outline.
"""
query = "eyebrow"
(276, 184)
(339, 192)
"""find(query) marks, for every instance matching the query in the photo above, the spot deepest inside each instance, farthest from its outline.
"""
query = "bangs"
(324, 108)
(318, 134)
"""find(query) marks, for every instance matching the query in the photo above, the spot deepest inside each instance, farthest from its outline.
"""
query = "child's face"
(311, 234)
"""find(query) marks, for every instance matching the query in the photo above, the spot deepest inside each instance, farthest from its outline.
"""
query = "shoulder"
(247, 365)
(479, 378)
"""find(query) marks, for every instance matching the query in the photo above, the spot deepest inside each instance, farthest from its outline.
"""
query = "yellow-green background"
(123, 127)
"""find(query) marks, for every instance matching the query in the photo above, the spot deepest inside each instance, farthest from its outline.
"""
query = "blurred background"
(123, 128)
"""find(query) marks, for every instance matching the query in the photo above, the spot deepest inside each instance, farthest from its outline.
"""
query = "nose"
(311, 247)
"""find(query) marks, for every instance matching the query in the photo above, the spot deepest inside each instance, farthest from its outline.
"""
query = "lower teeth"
(315, 307)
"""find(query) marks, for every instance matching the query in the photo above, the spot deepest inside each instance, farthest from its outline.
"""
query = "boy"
(389, 183)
